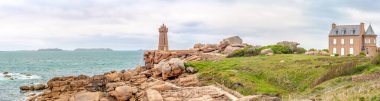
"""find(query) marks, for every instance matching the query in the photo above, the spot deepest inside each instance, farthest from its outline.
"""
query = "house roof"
(370, 31)
(345, 30)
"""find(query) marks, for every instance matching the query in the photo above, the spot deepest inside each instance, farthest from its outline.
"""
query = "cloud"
(133, 24)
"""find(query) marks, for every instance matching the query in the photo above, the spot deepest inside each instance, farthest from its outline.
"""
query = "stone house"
(352, 40)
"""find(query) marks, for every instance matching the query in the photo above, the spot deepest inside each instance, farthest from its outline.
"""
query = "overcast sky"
(133, 24)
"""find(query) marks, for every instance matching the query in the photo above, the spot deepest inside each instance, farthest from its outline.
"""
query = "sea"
(18, 68)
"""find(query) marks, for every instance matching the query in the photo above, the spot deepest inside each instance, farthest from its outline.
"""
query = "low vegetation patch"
(280, 74)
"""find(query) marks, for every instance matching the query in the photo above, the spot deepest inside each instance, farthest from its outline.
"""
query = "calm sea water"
(32, 67)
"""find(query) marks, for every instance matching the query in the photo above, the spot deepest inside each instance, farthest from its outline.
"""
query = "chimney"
(333, 25)
(361, 25)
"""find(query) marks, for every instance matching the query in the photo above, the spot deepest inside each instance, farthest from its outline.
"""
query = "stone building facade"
(163, 38)
(352, 40)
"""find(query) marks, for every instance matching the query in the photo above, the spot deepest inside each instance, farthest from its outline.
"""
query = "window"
(351, 41)
(342, 51)
(353, 32)
(334, 41)
(369, 40)
(351, 50)
(342, 41)
(343, 32)
(334, 50)
(374, 41)
(336, 32)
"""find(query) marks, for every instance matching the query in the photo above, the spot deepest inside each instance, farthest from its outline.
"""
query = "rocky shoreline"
(163, 78)
(169, 80)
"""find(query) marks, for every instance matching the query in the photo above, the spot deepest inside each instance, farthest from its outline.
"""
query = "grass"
(280, 74)
(343, 89)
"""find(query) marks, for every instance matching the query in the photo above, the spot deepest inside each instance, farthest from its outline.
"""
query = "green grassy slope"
(344, 89)
(281, 74)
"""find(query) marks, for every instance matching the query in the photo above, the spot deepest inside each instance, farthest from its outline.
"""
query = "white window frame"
(351, 50)
(351, 41)
(374, 41)
(334, 50)
(334, 41)
(342, 51)
(367, 41)
(342, 41)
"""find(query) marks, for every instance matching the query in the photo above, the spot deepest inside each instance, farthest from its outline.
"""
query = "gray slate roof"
(370, 31)
(345, 30)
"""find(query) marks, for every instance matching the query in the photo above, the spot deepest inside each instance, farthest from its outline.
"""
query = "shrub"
(336, 54)
(300, 50)
(312, 49)
(278, 49)
(247, 51)
(361, 54)
(376, 60)
(326, 50)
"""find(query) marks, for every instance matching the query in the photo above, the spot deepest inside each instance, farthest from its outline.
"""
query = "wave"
(18, 76)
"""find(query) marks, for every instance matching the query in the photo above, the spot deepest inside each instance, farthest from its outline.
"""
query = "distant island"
(50, 49)
(93, 49)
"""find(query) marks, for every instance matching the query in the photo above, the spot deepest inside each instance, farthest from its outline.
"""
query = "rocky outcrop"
(290, 44)
(268, 52)
(205, 48)
(123, 93)
(154, 57)
(226, 46)
(33, 87)
(166, 69)
(98, 88)
(169, 80)
(231, 42)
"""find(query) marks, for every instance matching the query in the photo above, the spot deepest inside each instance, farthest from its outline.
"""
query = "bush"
(336, 54)
(278, 49)
(247, 51)
(312, 49)
(361, 54)
(300, 50)
(376, 60)
(326, 50)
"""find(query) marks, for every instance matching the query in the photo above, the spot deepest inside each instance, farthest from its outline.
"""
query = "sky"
(133, 24)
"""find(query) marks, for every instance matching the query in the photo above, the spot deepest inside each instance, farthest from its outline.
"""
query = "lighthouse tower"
(163, 38)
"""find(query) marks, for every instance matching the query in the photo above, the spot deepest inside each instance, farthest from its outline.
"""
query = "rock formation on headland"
(169, 80)
(226, 46)
(163, 78)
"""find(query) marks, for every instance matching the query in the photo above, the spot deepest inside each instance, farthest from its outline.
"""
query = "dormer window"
(353, 32)
(344, 32)
(336, 32)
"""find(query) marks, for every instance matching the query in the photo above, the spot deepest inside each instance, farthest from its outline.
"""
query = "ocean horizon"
(18, 68)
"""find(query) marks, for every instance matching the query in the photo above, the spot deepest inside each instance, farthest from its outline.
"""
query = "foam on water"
(18, 76)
